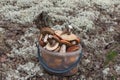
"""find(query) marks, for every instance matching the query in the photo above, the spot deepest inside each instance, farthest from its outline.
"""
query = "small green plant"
(113, 78)
(110, 57)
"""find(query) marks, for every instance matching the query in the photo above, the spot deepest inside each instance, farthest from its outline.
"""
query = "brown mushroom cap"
(68, 37)
(42, 43)
(73, 48)
(78, 40)
(56, 38)
(65, 36)
(66, 42)
(51, 48)
(58, 33)
(47, 30)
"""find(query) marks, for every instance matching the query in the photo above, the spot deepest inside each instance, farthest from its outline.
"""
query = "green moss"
(110, 57)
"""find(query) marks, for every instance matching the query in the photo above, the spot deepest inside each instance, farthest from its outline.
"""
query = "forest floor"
(96, 22)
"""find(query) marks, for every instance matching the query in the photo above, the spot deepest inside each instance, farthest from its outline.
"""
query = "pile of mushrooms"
(58, 41)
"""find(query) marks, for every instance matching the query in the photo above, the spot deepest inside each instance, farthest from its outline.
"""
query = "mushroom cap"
(58, 33)
(57, 49)
(47, 30)
(69, 37)
(78, 40)
(56, 38)
(51, 48)
(73, 48)
(65, 38)
(41, 41)
(66, 42)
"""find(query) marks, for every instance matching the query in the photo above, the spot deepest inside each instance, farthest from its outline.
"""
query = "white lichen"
(82, 22)
(87, 61)
(27, 10)
(12, 73)
(28, 49)
(117, 69)
(106, 71)
(2, 30)
(27, 67)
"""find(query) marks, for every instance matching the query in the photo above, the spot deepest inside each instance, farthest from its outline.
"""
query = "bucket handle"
(58, 71)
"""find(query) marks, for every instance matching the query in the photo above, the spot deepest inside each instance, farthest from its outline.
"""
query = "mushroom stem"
(50, 36)
(74, 42)
(68, 29)
(46, 37)
(63, 48)
(41, 36)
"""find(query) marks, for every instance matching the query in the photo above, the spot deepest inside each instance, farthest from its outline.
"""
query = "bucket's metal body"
(64, 64)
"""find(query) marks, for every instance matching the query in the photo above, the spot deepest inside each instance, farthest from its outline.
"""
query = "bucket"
(63, 64)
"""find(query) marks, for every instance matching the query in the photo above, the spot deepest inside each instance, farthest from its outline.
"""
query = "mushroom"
(57, 49)
(45, 38)
(69, 37)
(67, 30)
(63, 48)
(41, 41)
(56, 38)
(62, 41)
(73, 48)
(70, 27)
(47, 30)
(58, 33)
(66, 36)
(41, 36)
(50, 36)
(75, 42)
(66, 42)
(52, 45)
